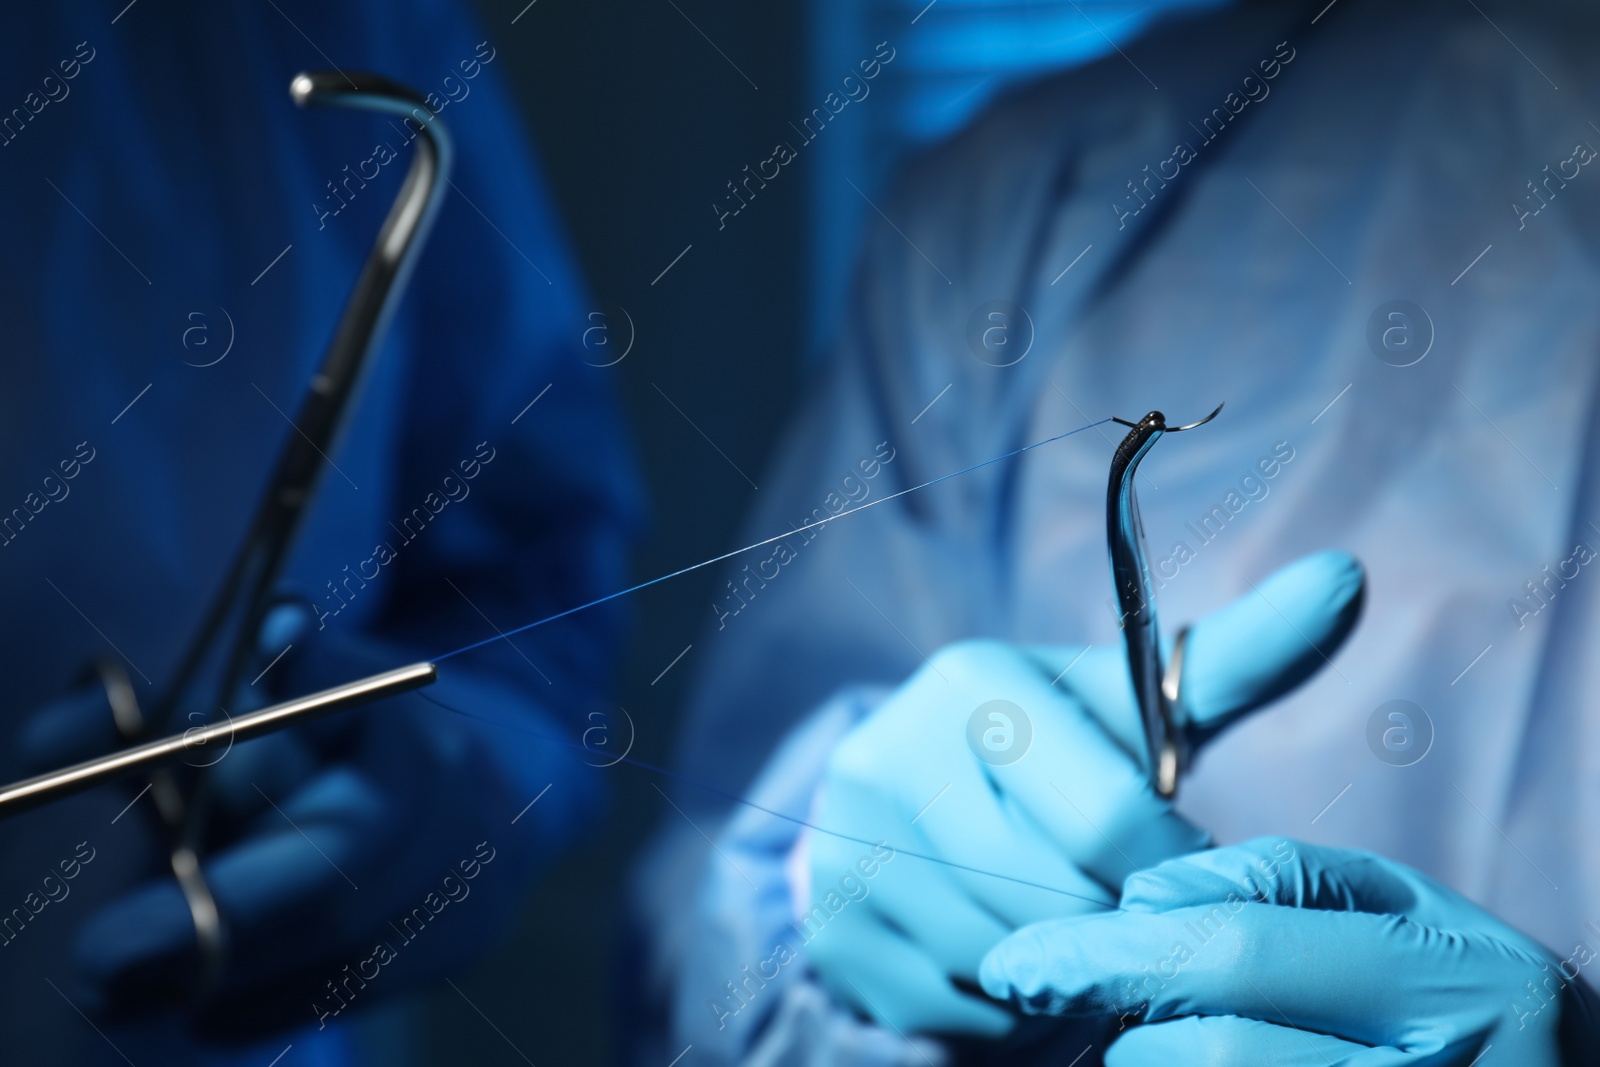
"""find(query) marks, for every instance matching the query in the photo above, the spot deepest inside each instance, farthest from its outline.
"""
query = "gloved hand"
(1277, 952)
(739, 994)
(1064, 812)
(350, 857)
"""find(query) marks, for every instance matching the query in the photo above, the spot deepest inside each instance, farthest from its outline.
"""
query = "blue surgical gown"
(1168, 229)
(165, 199)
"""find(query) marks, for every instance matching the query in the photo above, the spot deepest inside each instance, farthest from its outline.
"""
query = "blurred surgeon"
(180, 240)
(1373, 230)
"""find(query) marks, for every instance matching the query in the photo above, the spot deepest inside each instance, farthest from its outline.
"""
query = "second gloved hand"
(1018, 778)
(1278, 952)
(349, 857)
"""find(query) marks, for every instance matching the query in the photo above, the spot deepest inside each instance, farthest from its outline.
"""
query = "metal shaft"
(32, 792)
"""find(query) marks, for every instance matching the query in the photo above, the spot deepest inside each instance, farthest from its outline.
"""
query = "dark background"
(640, 122)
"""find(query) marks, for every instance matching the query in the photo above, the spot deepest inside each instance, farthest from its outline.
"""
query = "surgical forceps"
(1157, 688)
(223, 646)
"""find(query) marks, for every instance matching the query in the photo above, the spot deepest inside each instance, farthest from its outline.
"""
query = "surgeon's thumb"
(1268, 641)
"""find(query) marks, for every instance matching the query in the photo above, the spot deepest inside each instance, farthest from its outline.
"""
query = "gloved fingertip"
(1328, 584)
(1167, 888)
(1089, 966)
(284, 624)
(1146, 891)
(1026, 967)
(1264, 870)
(1001, 962)
(1271, 639)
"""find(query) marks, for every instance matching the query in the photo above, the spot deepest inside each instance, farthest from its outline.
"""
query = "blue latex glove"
(323, 837)
(740, 996)
(1066, 823)
(1285, 953)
